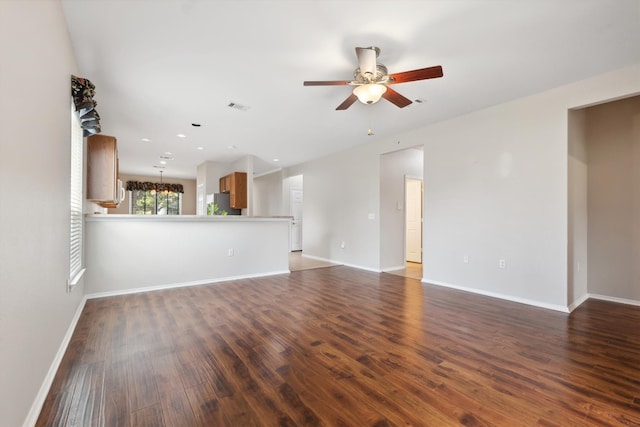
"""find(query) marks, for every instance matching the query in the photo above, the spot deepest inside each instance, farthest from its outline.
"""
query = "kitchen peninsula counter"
(132, 253)
(182, 218)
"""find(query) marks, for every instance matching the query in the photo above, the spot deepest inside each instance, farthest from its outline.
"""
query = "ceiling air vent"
(238, 106)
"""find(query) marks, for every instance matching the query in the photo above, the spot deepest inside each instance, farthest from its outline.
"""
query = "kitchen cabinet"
(103, 184)
(236, 185)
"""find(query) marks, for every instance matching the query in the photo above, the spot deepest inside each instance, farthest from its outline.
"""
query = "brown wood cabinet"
(103, 186)
(236, 185)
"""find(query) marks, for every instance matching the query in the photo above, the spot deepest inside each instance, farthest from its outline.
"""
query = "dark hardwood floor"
(344, 347)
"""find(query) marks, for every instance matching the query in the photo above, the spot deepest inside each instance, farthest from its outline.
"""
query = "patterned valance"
(82, 92)
(157, 186)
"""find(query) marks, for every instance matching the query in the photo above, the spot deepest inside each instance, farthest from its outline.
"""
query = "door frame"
(293, 190)
(421, 179)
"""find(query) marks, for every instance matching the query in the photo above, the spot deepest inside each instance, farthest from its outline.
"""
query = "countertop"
(185, 218)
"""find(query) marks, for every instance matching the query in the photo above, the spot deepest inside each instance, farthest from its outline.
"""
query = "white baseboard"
(534, 303)
(317, 258)
(614, 299)
(578, 302)
(333, 261)
(359, 267)
(181, 285)
(36, 407)
(399, 267)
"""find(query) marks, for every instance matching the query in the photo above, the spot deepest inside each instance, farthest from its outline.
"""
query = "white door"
(413, 194)
(296, 223)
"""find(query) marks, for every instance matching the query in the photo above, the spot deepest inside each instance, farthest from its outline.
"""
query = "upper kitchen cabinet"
(236, 185)
(103, 186)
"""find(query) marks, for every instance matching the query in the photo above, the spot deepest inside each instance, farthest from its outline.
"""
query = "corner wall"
(35, 103)
(613, 137)
(577, 208)
(496, 187)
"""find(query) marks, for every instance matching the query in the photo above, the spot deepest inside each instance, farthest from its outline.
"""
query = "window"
(152, 202)
(75, 235)
(152, 198)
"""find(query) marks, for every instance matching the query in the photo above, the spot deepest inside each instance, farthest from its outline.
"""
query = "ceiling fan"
(372, 80)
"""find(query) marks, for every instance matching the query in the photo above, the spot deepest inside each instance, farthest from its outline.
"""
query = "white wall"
(394, 167)
(267, 194)
(496, 187)
(340, 191)
(35, 96)
(137, 252)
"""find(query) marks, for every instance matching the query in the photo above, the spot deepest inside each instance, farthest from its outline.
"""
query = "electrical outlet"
(465, 259)
(230, 252)
(502, 263)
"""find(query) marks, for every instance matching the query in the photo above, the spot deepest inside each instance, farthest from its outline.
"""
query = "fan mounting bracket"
(381, 76)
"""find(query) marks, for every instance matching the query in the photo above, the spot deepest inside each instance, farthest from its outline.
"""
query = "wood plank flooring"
(411, 269)
(299, 262)
(344, 347)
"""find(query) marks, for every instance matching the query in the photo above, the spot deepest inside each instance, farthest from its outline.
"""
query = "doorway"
(296, 201)
(401, 196)
(413, 220)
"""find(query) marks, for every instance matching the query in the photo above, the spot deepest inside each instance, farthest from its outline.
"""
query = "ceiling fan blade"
(327, 83)
(413, 75)
(395, 98)
(347, 102)
(367, 60)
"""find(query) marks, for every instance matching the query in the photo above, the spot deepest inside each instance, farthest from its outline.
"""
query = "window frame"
(154, 194)
(76, 202)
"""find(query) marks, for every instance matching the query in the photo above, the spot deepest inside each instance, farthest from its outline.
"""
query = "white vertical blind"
(75, 236)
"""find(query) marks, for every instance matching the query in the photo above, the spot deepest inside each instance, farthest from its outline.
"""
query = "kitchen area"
(216, 237)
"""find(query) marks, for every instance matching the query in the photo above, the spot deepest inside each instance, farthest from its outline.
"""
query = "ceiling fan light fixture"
(369, 93)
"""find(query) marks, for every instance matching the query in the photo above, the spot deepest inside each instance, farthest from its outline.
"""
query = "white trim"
(316, 258)
(36, 407)
(333, 261)
(578, 302)
(73, 282)
(614, 299)
(400, 267)
(375, 270)
(181, 285)
(269, 172)
(539, 304)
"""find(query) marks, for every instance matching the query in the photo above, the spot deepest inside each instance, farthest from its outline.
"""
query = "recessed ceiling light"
(145, 140)
(163, 162)
(181, 135)
(199, 148)
(276, 160)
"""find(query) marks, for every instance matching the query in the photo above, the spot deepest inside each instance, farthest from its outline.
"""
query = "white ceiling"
(160, 65)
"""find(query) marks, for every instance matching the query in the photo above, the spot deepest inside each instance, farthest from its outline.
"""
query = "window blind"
(76, 232)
